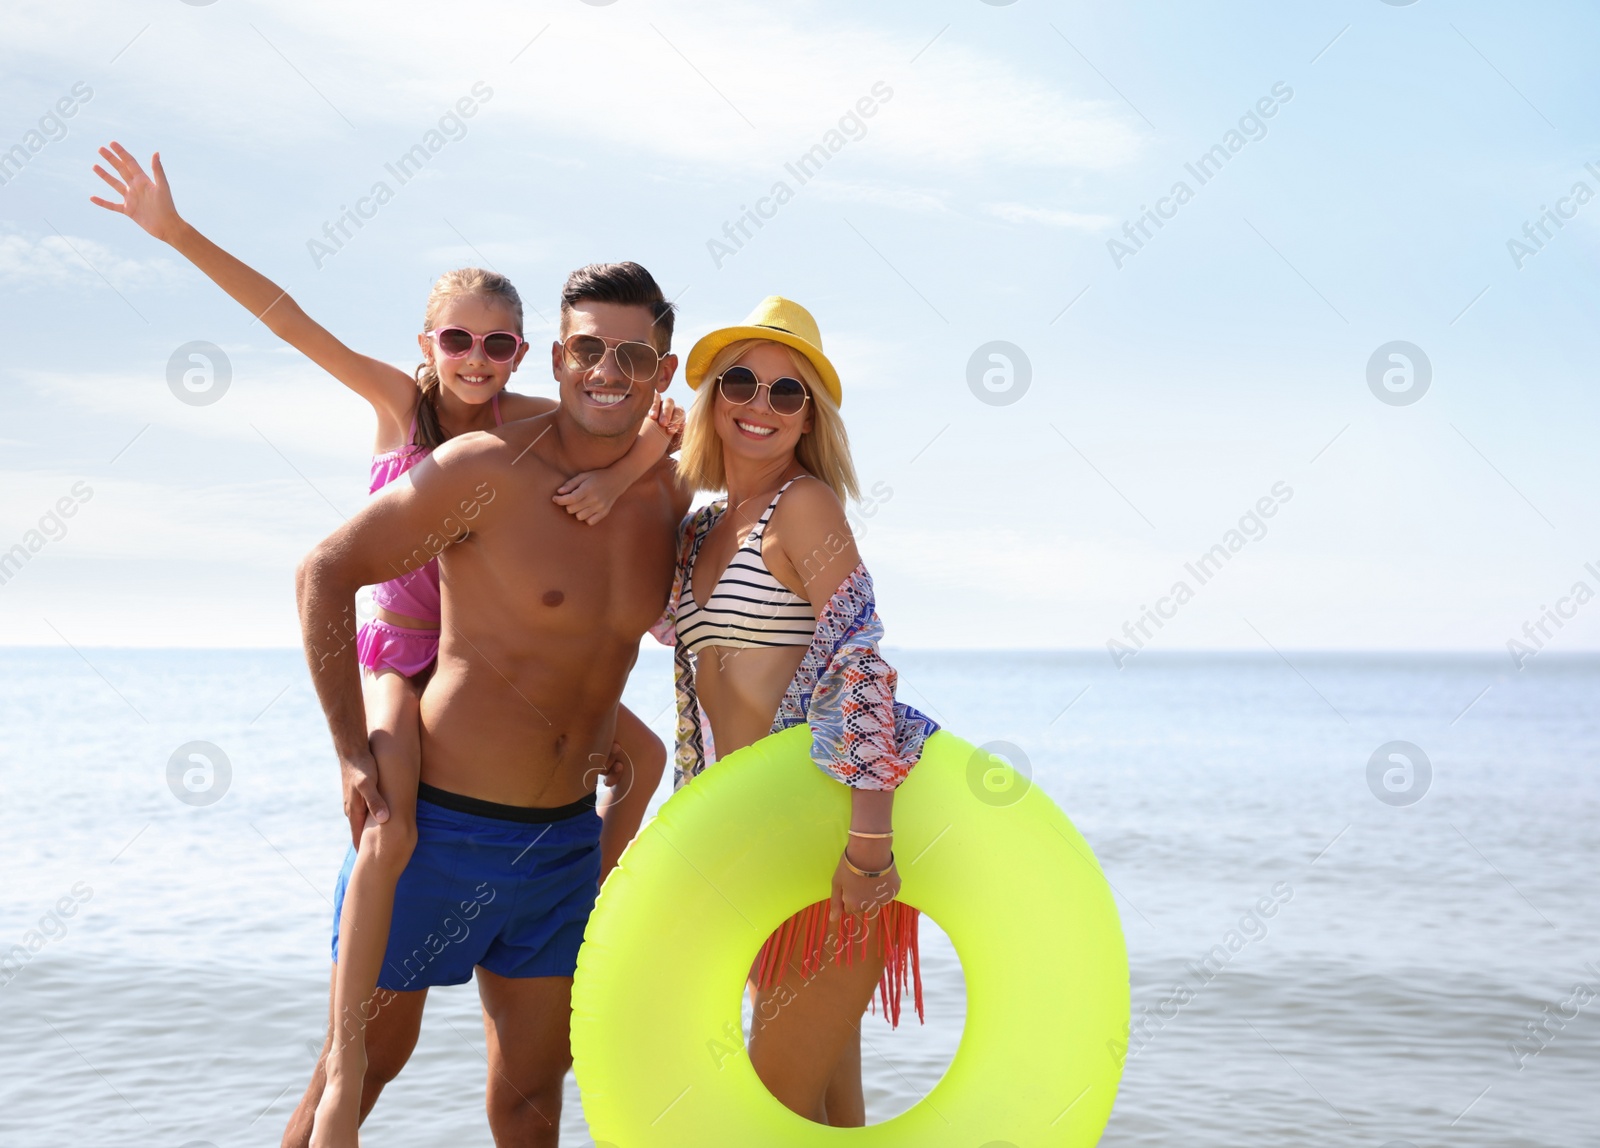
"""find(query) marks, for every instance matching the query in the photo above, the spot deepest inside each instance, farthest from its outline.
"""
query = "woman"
(774, 625)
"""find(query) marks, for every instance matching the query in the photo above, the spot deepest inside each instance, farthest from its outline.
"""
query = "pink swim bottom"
(380, 646)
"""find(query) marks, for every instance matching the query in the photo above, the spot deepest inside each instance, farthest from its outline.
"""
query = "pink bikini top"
(416, 594)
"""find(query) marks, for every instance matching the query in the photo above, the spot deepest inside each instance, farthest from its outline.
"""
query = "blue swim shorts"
(500, 886)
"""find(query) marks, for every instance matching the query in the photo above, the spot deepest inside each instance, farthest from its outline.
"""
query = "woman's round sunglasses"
(639, 361)
(785, 396)
(458, 342)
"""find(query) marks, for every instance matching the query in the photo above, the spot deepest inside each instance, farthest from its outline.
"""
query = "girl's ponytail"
(429, 433)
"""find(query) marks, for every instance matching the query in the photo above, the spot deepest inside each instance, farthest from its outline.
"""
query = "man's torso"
(541, 623)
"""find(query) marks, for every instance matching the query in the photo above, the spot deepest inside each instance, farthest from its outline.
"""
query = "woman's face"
(754, 431)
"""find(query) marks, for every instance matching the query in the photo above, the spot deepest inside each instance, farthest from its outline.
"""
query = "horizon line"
(1075, 651)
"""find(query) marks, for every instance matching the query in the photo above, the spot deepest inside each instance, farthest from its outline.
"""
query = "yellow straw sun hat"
(779, 320)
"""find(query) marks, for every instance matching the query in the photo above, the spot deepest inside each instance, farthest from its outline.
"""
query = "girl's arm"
(590, 495)
(147, 200)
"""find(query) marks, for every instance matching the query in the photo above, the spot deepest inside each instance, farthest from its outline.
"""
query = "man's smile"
(605, 398)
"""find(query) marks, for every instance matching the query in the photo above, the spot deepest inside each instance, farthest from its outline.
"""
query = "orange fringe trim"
(897, 944)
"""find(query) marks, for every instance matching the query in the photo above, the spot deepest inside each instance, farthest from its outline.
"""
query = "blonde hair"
(450, 285)
(824, 450)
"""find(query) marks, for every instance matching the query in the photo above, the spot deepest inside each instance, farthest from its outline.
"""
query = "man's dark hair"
(625, 283)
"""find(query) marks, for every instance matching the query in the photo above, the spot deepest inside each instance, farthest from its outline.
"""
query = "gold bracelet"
(868, 872)
(858, 833)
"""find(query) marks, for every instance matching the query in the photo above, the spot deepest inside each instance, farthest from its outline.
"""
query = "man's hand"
(618, 770)
(361, 797)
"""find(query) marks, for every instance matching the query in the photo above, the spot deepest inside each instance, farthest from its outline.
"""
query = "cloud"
(996, 563)
(866, 360)
(266, 523)
(925, 202)
(67, 260)
(270, 406)
(719, 89)
(1049, 217)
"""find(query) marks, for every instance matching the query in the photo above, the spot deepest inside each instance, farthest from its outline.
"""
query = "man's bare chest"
(532, 566)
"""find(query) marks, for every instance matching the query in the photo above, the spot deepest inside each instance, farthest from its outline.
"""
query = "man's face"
(602, 399)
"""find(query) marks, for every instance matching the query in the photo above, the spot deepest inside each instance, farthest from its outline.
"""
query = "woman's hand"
(146, 199)
(855, 894)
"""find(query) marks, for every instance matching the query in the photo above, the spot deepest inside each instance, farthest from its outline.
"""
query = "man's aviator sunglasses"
(786, 396)
(639, 361)
(458, 342)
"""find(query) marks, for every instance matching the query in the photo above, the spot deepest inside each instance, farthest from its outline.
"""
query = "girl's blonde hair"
(824, 450)
(450, 285)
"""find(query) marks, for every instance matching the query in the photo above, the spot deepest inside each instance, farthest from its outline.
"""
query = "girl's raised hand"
(146, 199)
(671, 418)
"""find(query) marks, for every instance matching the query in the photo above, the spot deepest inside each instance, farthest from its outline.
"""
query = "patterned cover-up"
(860, 735)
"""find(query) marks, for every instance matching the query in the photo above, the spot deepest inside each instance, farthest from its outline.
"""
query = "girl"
(471, 343)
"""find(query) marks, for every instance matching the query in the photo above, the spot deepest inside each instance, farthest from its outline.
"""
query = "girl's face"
(474, 378)
(754, 430)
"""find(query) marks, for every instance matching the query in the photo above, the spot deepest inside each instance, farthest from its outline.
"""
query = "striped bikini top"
(748, 608)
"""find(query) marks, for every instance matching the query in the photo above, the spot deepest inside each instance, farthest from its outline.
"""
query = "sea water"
(1429, 971)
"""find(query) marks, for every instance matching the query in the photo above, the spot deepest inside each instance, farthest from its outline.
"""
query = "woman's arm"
(816, 553)
(147, 200)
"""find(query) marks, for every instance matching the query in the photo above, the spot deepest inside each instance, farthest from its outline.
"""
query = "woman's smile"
(754, 429)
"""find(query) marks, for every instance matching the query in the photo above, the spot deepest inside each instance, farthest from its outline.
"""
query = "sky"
(1236, 326)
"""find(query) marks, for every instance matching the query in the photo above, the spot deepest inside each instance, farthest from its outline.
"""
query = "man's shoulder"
(664, 480)
(496, 447)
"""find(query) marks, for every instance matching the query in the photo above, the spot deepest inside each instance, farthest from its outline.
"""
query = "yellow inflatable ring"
(656, 1037)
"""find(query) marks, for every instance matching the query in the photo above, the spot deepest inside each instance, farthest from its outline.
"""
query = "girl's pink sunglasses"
(458, 342)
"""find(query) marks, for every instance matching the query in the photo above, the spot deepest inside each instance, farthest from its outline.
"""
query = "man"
(542, 617)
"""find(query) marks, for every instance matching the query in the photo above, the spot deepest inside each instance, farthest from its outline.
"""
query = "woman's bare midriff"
(740, 690)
